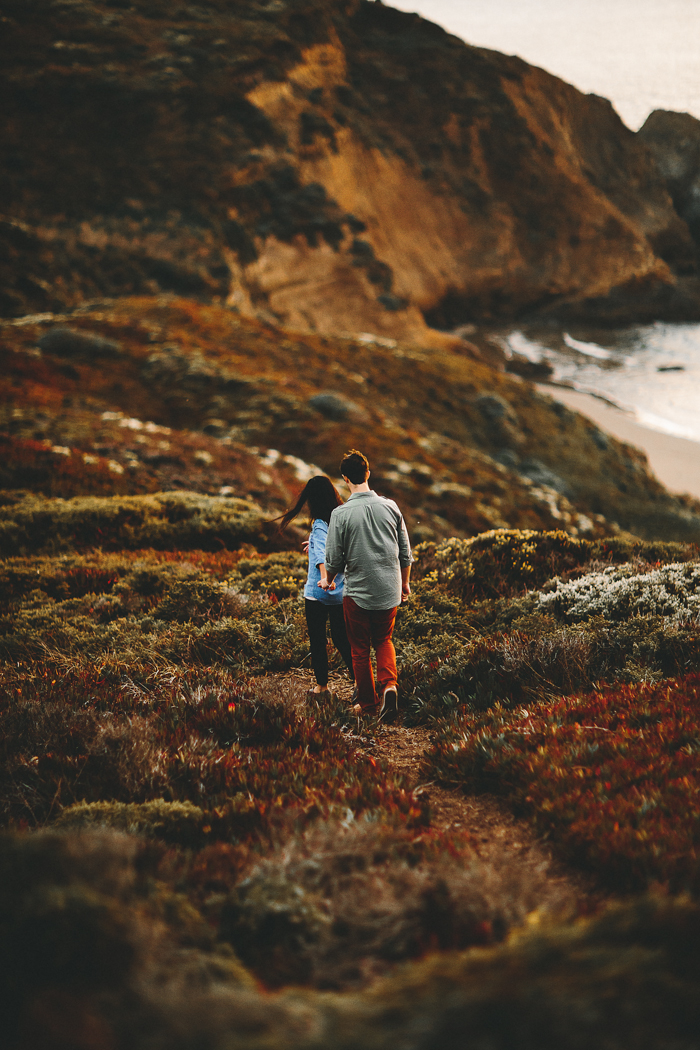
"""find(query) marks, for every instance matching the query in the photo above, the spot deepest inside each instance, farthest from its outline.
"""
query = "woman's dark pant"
(316, 615)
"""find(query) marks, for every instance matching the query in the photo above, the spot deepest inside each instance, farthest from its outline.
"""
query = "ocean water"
(651, 371)
(641, 54)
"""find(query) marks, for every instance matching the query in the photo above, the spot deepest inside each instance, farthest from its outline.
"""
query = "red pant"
(367, 628)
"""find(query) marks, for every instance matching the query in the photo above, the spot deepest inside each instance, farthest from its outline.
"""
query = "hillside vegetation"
(142, 395)
(228, 230)
(196, 829)
(182, 830)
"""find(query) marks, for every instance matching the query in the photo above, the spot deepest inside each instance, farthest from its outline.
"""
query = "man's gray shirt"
(368, 540)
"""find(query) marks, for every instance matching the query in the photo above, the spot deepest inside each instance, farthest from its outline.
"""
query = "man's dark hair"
(354, 466)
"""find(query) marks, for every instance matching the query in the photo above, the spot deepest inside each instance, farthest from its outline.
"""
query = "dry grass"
(102, 949)
(345, 902)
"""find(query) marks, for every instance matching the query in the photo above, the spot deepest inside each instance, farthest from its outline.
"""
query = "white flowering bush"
(619, 592)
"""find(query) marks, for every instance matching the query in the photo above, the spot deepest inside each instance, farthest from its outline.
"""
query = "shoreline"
(675, 461)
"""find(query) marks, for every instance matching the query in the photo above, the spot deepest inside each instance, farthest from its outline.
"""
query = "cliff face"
(674, 142)
(337, 166)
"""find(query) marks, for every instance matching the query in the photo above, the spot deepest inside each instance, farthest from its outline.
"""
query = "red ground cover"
(205, 739)
(613, 776)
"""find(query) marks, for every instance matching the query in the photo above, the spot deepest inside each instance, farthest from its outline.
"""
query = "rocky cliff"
(674, 141)
(328, 164)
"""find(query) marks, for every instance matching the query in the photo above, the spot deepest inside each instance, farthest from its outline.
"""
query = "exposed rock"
(333, 406)
(502, 425)
(507, 458)
(67, 342)
(392, 302)
(215, 427)
(674, 141)
(601, 439)
(191, 371)
(540, 474)
(537, 371)
(493, 408)
(334, 167)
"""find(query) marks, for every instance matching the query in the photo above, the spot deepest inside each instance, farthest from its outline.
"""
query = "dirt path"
(497, 837)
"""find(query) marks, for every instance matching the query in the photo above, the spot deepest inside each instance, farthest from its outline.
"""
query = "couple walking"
(359, 568)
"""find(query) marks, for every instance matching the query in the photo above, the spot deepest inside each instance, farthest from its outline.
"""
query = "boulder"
(68, 342)
(540, 474)
(536, 371)
(333, 406)
(674, 142)
(501, 424)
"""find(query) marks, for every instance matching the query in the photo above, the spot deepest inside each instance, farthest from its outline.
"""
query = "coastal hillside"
(162, 394)
(404, 178)
(238, 237)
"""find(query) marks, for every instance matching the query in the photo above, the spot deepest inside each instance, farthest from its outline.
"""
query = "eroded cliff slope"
(333, 164)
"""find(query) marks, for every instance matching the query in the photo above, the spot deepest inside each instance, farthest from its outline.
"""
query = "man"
(367, 539)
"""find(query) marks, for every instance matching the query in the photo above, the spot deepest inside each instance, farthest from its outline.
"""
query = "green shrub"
(178, 823)
(195, 600)
(164, 521)
(146, 613)
(525, 667)
(505, 562)
(282, 575)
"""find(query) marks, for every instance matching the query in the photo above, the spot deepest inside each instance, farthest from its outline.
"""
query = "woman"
(321, 497)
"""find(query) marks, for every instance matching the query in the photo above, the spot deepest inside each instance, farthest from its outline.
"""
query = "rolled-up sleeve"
(335, 555)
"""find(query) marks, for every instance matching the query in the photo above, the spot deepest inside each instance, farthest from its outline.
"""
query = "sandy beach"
(675, 461)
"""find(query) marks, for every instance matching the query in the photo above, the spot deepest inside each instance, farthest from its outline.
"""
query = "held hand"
(331, 586)
(323, 584)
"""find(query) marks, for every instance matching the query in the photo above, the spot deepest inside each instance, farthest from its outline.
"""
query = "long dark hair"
(320, 495)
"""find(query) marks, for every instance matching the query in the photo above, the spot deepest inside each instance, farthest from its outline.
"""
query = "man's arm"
(405, 558)
(405, 585)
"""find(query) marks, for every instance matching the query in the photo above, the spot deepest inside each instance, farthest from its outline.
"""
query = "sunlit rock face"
(334, 166)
